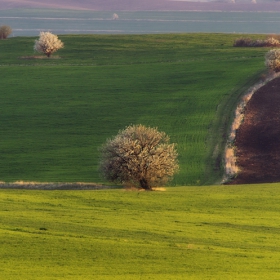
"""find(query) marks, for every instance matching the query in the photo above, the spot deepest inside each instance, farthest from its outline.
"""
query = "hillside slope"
(143, 5)
(213, 233)
(55, 113)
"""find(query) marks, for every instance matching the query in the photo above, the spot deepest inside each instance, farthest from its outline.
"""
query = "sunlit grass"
(217, 232)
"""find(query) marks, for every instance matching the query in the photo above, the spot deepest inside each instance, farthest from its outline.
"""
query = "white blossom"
(48, 43)
(272, 60)
(5, 31)
(115, 16)
(139, 156)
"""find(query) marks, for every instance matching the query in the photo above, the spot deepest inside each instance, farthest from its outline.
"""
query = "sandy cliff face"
(143, 5)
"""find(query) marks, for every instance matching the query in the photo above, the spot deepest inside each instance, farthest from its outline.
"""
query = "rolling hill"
(144, 5)
(214, 233)
(55, 113)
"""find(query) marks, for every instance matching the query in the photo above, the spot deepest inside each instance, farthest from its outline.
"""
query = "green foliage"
(56, 112)
(225, 232)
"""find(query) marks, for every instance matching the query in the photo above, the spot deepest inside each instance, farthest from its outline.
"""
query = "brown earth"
(258, 138)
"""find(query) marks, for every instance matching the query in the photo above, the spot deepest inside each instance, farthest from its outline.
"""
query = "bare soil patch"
(258, 138)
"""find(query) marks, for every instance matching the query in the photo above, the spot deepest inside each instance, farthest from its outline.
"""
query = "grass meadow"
(55, 113)
(215, 232)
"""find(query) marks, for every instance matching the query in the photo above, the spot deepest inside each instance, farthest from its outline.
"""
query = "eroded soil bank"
(257, 140)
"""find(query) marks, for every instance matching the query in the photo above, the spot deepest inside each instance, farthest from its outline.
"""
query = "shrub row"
(247, 42)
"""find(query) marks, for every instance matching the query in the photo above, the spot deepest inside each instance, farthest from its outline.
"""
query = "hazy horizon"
(146, 5)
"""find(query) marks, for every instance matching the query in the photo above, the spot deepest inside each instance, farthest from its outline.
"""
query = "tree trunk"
(144, 184)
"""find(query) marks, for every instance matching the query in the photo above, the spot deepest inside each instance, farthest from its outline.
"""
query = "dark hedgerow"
(248, 42)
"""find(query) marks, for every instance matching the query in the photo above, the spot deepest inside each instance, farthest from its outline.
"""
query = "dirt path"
(258, 138)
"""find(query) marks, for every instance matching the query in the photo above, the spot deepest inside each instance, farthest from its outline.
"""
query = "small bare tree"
(48, 43)
(140, 156)
(5, 31)
(272, 60)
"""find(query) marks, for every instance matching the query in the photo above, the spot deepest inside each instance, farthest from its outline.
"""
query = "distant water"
(31, 22)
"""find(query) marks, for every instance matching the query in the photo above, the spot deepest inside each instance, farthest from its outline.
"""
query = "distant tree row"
(248, 42)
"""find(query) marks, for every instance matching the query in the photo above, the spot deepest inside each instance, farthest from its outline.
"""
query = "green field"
(55, 113)
(217, 232)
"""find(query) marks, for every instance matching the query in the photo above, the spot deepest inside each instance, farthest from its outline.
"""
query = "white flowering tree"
(139, 156)
(272, 60)
(5, 31)
(48, 43)
(115, 16)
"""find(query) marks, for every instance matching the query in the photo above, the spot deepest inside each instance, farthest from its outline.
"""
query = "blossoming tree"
(272, 60)
(48, 43)
(5, 31)
(139, 156)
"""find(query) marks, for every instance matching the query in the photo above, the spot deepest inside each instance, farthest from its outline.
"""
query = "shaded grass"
(56, 113)
(183, 233)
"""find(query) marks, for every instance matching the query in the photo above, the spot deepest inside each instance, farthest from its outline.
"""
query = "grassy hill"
(55, 113)
(134, 5)
(28, 22)
(225, 232)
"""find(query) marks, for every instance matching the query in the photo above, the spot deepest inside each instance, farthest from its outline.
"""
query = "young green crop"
(225, 232)
(55, 113)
